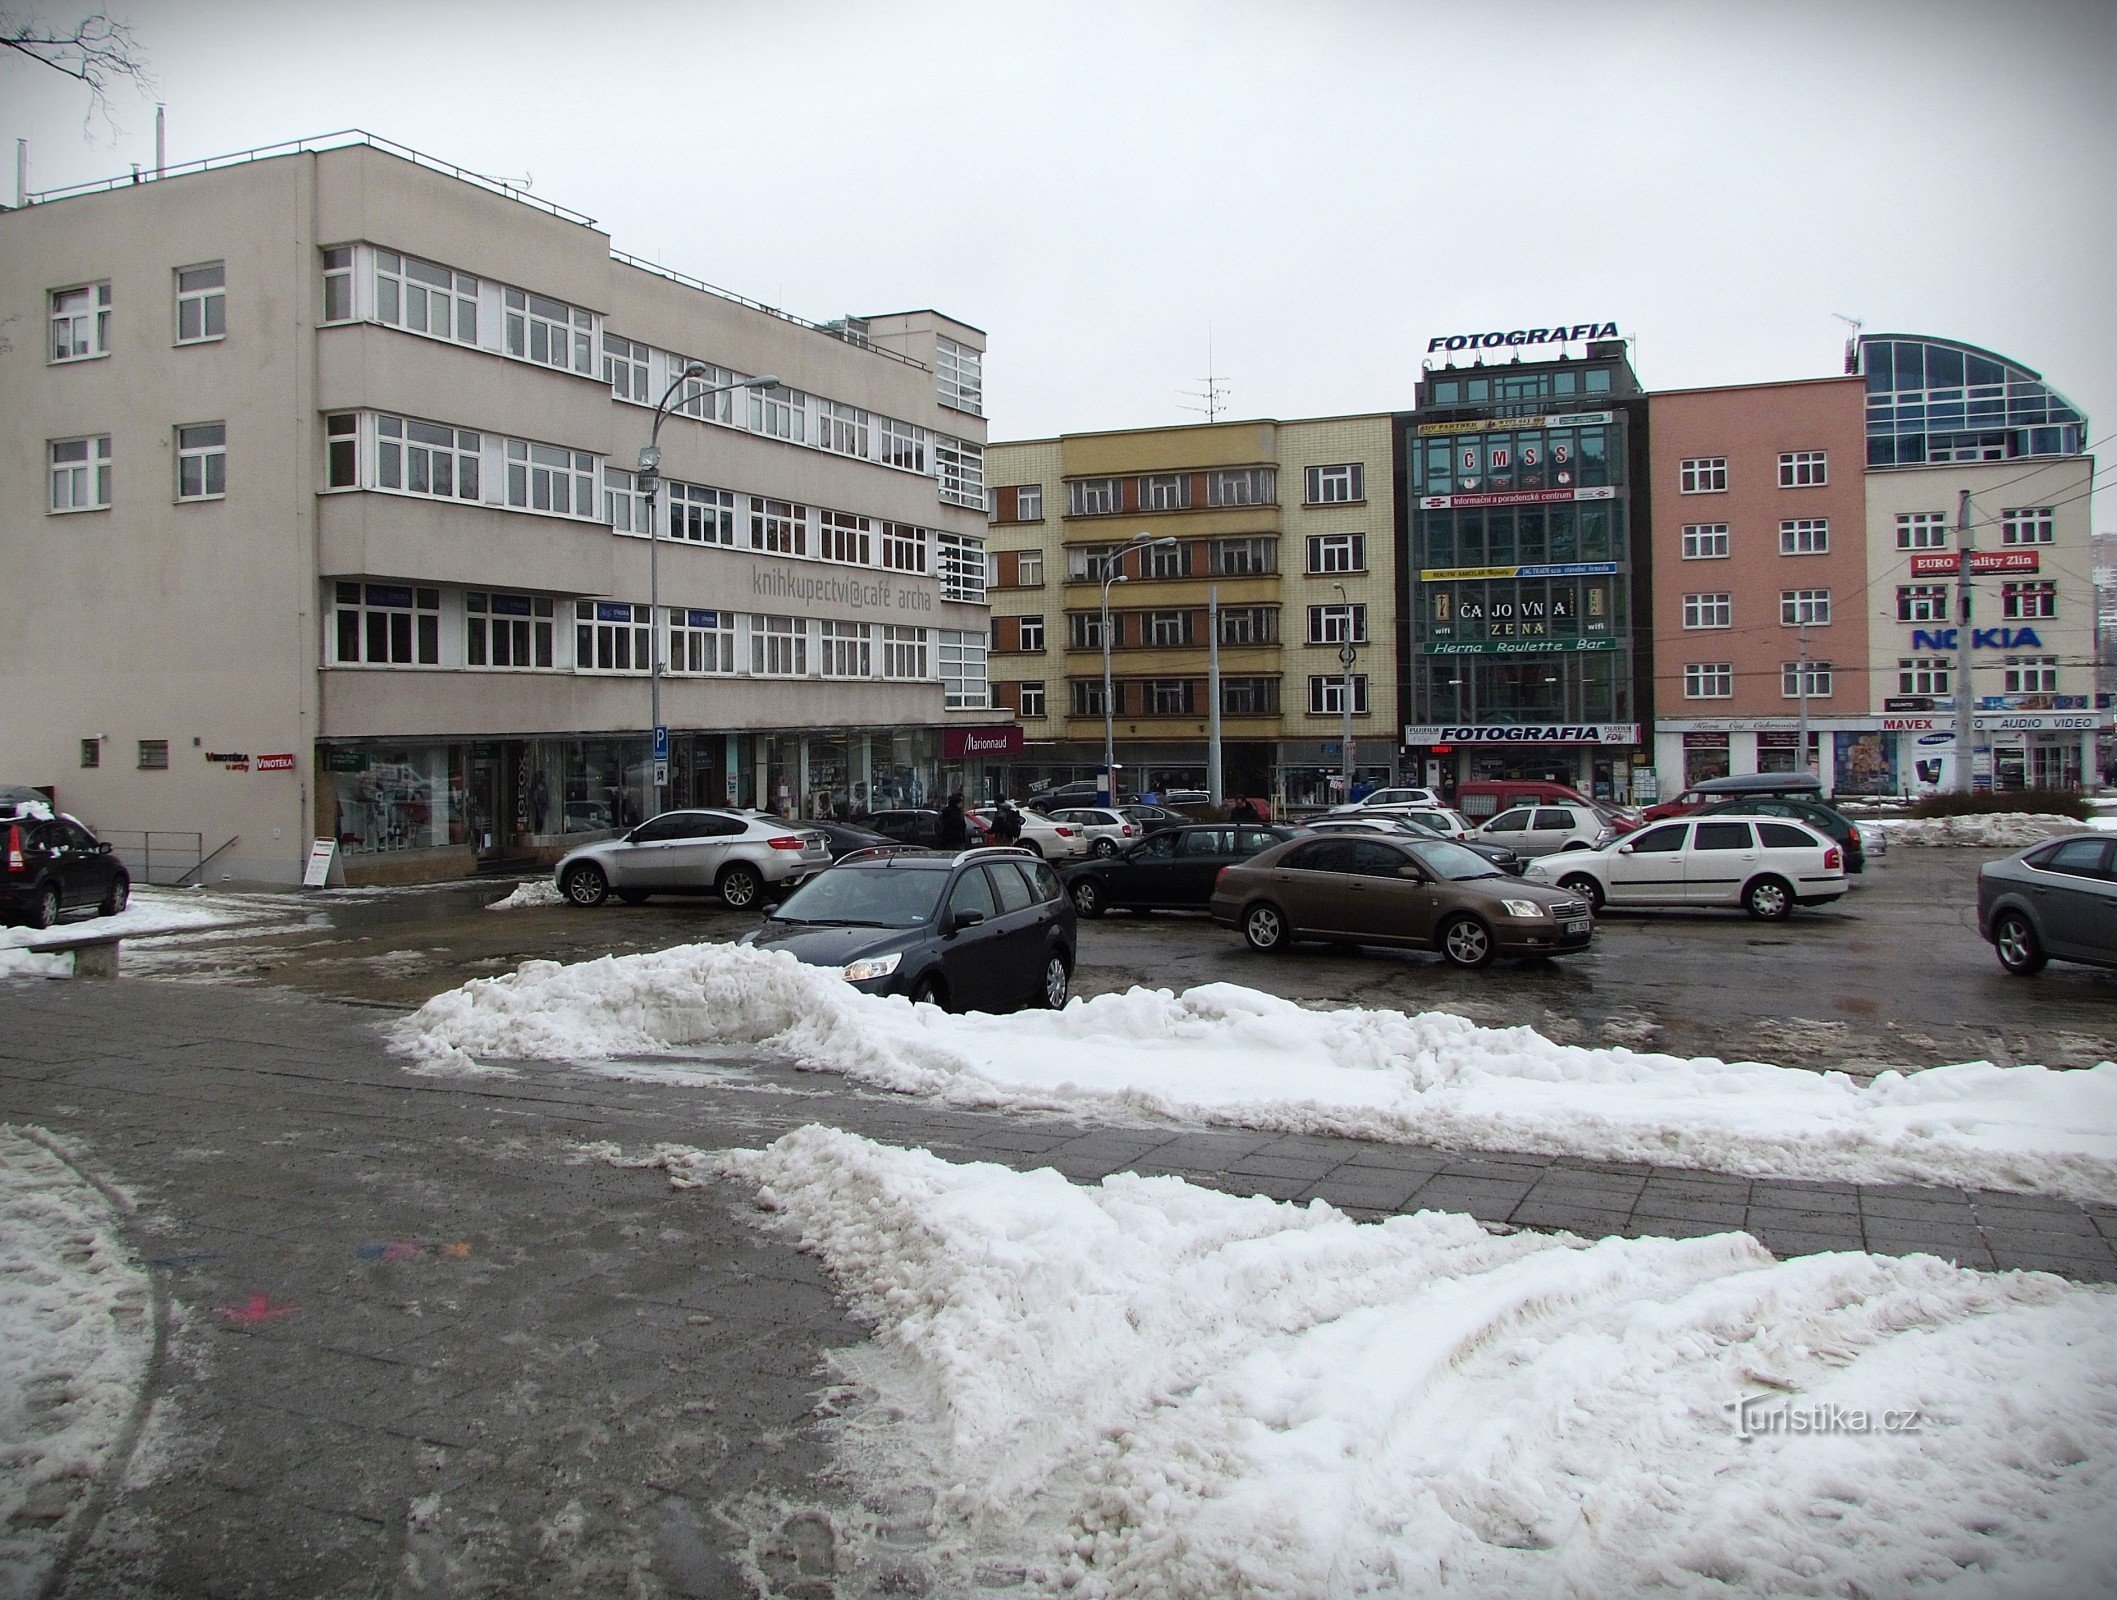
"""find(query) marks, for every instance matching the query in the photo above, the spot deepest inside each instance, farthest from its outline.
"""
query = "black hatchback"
(1172, 870)
(50, 865)
(986, 929)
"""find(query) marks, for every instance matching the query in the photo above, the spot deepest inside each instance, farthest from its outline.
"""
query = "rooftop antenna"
(1852, 345)
(527, 181)
(1214, 394)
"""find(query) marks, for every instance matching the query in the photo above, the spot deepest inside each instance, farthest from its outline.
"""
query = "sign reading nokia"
(1519, 336)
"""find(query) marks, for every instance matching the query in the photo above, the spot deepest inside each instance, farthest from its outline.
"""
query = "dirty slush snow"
(1227, 1054)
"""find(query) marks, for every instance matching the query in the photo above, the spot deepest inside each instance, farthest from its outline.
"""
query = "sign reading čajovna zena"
(1562, 334)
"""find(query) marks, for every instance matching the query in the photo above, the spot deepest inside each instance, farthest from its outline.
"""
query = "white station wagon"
(1762, 864)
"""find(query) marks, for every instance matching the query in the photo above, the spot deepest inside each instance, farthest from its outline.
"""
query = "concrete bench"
(95, 953)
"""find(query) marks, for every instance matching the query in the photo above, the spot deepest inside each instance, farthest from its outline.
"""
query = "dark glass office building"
(1523, 572)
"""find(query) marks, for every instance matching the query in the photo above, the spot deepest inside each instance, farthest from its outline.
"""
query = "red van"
(1481, 799)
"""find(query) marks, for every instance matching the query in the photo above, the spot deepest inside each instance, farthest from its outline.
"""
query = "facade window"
(611, 636)
(1084, 630)
(1337, 552)
(91, 752)
(1708, 611)
(848, 650)
(201, 303)
(1247, 558)
(548, 477)
(386, 625)
(1704, 475)
(1804, 536)
(507, 630)
(1705, 541)
(1165, 561)
(80, 474)
(549, 332)
(624, 502)
(961, 563)
(703, 395)
(338, 284)
(902, 445)
(341, 451)
(1092, 497)
(80, 323)
(1708, 680)
(699, 515)
(2028, 602)
(903, 547)
(1332, 486)
(2032, 675)
(1167, 697)
(428, 458)
(1090, 563)
(1922, 530)
(1031, 637)
(1804, 469)
(1337, 624)
(1029, 502)
(1165, 491)
(960, 466)
(1249, 697)
(1924, 675)
(1249, 625)
(2027, 525)
(779, 647)
(842, 430)
(701, 642)
(1797, 606)
(1817, 676)
(1921, 602)
(1243, 486)
(904, 653)
(959, 374)
(625, 364)
(1167, 628)
(425, 297)
(1086, 695)
(202, 461)
(1032, 699)
(1326, 695)
(779, 526)
(841, 536)
(779, 413)
(962, 662)
(1029, 570)
(154, 755)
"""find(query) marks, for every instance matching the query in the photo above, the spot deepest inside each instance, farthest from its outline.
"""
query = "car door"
(1552, 828)
(1309, 884)
(1511, 829)
(1200, 854)
(1018, 955)
(1388, 896)
(1141, 876)
(1723, 857)
(971, 957)
(84, 870)
(2074, 897)
(1648, 868)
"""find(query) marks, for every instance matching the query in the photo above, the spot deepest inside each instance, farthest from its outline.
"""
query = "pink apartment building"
(1760, 565)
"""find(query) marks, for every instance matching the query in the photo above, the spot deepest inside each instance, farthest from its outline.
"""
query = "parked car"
(1080, 792)
(1797, 808)
(52, 864)
(1153, 819)
(2054, 901)
(1108, 830)
(1419, 893)
(1186, 797)
(922, 826)
(846, 837)
(985, 929)
(738, 855)
(1054, 841)
(1739, 786)
(1394, 823)
(1543, 830)
(1380, 799)
(1764, 865)
(1483, 798)
(1436, 819)
(1172, 870)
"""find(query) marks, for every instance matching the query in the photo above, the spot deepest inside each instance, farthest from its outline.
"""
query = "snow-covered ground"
(535, 892)
(75, 1336)
(1147, 1388)
(1998, 830)
(1227, 1054)
(151, 912)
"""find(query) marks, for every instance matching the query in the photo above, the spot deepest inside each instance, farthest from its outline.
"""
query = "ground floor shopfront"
(1887, 755)
(1296, 773)
(1598, 759)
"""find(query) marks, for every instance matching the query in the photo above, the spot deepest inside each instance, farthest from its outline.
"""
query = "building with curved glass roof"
(1938, 400)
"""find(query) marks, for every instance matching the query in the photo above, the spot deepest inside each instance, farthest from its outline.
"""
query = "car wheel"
(1466, 942)
(2020, 951)
(739, 886)
(119, 897)
(1584, 886)
(1768, 899)
(1087, 897)
(1264, 925)
(930, 991)
(46, 911)
(1573, 844)
(1106, 848)
(632, 897)
(1032, 847)
(1056, 980)
(585, 885)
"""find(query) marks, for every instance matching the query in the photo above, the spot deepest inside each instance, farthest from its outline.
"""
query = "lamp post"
(1113, 572)
(650, 475)
(1347, 655)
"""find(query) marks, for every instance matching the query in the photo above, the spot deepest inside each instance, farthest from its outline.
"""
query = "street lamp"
(1113, 572)
(650, 475)
(1347, 655)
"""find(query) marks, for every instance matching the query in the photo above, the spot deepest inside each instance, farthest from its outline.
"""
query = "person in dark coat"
(1245, 810)
(954, 832)
(1006, 824)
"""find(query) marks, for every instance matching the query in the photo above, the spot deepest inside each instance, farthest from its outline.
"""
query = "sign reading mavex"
(1522, 733)
(1518, 336)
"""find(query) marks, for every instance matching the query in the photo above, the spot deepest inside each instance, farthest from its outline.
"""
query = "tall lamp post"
(1113, 572)
(650, 476)
(1347, 655)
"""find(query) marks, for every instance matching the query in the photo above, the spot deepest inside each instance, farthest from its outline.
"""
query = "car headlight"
(1522, 908)
(871, 967)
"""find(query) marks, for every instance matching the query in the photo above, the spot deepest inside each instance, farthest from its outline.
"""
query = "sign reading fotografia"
(1523, 733)
(1561, 334)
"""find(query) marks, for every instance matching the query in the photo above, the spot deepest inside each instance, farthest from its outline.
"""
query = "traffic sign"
(661, 774)
(661, 744)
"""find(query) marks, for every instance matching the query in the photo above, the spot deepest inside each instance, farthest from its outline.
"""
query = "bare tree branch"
(99, 51)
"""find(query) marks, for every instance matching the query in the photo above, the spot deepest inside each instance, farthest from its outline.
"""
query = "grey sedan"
(737, 855)
(2054, 901)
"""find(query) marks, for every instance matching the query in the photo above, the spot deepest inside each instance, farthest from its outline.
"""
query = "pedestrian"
(1245, 810)
(954, 831)
(1006, 823)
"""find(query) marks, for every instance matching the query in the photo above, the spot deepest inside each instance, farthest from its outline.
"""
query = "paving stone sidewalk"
(418, 1345)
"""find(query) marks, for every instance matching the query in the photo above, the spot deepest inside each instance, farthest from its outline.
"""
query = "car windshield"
(865, 897)
(1452, 861)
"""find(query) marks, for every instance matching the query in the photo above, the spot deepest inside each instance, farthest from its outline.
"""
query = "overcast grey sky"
(1323, 186)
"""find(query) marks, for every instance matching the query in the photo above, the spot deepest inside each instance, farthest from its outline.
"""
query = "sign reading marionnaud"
(1518, 336)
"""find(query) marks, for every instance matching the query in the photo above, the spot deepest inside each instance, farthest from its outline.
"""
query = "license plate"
(1580, 926)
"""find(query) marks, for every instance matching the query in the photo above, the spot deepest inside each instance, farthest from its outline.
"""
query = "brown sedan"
(1425, 894)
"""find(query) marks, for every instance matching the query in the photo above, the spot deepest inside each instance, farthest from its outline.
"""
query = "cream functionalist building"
(321, 523)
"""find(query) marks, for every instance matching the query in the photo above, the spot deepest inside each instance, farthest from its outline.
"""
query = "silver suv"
(734, 854)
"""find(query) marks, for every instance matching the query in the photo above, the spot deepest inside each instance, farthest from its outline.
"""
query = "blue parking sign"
(661, 744)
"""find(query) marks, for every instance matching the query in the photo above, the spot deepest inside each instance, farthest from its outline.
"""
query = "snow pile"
(75, 1337)
(151, 911)
(1224, 1053)
(536, 892)
(16, 962)
(1997, 830)
(1149, 1388)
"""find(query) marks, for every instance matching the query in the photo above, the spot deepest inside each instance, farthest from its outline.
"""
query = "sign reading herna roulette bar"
(1522, 733)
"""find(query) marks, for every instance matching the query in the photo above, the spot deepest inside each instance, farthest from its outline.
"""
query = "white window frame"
(1242, 486)
(79, 482)
(842, 429)
(1921, 602)
(2031, 675)
(698, 513)
(202, 450)
(2028, 525)
(959, 466)
(1922, 530)
(780, 413)
(1029, 502)
(1703, 475)
(394, 451)
(904, 653)
(961, 658)
(441, 294)
(624, 503)
(1093, 497)
(959, 559)
(1708, 680)
(544, 472)
(341, 301)
(1029, 570)
(2029, 600)
(1337, 552)
(1337, 624)
(1804, 536)
(1709, 610)
(202, 291)
(366, 602)
(701, 643)
(1326, 694)
(1167, 630)
(1804, 469)
(530, 635)
(779, 526)
(79, 325)
(779, 647)
(1926, 675)
(847, 649)
(845, 538)
(566, 335)
(1342, 484)
(1797, 606)
(1165, 491)
(1033, 701)
(1029, 635)
(612, 637)
(628, 367)
(904, 547)
(959, 376)
(1085, 696)
(1706, 541)
(1819, 679)
(901, 445)
(704, 395)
